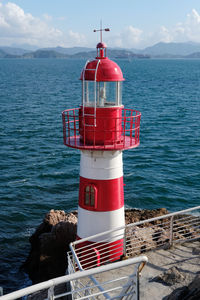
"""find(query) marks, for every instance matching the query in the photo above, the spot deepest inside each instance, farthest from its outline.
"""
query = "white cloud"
(130, 37)
(18, 27)
(189, 30)
(76, 38)
(47, 17)
(61, 18)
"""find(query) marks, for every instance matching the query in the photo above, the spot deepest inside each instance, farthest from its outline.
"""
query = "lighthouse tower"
(101, 128)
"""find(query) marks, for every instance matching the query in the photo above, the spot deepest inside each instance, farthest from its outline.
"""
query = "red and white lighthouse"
(101, 128)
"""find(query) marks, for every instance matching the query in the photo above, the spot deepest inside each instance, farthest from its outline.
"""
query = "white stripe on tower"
(104, 170)
(101, 165)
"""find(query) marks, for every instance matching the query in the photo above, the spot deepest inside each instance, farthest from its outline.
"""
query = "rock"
(139, 240)
(170, 277)
(160, 236)
(177, 294)
(54, 217)
(192, 292)
(196, 251)
(50, 242)
(136, 215)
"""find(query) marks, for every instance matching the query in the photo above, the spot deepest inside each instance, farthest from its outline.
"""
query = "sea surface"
(38, 173)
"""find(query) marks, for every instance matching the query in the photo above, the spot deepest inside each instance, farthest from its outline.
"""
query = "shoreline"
(170, 270)
(49, 243)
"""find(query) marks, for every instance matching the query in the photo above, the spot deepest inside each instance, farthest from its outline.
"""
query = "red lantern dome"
(102, 67)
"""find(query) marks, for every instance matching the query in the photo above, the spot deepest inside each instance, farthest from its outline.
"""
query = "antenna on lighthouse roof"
(101, 30)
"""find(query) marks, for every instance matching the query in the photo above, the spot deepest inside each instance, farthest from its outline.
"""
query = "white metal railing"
(139, 237)
(91, 284)
(95, 96)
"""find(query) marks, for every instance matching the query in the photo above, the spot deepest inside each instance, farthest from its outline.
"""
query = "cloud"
(189, 30)
(61, 18)
(18, 26)
(77, 38)
(132, 37)
(47, 17)
(129, 37)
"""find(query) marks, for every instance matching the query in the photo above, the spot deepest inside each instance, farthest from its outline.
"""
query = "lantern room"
(101, 122)
(101, 81)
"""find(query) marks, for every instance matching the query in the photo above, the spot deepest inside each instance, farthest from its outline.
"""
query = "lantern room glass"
(105, 94)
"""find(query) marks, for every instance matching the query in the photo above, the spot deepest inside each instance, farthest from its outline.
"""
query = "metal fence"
(115, 280)
(118, 280)
(139, 237)
(116, 133)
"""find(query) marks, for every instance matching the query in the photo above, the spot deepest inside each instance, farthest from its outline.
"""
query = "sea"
(38, 173)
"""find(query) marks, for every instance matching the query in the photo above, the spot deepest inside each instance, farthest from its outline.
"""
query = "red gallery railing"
(80, 131)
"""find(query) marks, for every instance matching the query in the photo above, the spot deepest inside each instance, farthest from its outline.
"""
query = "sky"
(70, 23)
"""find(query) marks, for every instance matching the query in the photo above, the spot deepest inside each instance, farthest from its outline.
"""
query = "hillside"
(69, 51)
(171, 49)
(44, 54)
(159, 50)
(194, 55)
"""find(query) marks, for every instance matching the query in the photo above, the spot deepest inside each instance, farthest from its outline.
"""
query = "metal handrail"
(173, 228)
(75, 276)
(124, 135)
(135, 224)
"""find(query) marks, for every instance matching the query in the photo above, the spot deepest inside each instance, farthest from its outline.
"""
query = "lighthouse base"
(93, 255)
(101, 247)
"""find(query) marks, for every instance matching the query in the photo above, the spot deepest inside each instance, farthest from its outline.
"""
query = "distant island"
(49, 53)
(187, 50)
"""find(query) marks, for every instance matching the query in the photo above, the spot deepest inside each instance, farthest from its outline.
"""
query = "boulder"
(139, 240)
(50, 242)
(192, 292)
(136, 215)
(170, 277)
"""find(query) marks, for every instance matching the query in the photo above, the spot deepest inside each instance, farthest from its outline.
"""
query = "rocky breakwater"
(50, 242)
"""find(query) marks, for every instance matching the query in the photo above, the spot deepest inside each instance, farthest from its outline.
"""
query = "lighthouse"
(101, 128)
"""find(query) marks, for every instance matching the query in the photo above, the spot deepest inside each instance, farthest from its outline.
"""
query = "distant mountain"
(2, 53)
(13, 51)
(160, 50)
(24, 46)
(126, 54)
(171, 49)
(113, 54)
(69, 51)
(193, 55)
(44, 54)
